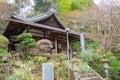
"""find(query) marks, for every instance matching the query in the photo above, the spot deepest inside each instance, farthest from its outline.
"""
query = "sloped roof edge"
(38, 18)
(42, 26)
(32, 19)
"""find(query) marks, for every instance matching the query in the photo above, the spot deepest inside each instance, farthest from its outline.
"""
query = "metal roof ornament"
(52, 10)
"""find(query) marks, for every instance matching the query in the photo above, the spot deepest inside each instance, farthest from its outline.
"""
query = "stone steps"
(90, 76)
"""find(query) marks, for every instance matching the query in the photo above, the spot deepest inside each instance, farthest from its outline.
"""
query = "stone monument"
(47, 71)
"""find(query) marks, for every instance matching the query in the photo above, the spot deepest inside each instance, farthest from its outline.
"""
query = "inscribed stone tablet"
(47, 71)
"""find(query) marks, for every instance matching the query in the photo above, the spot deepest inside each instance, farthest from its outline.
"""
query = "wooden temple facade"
(45, 26)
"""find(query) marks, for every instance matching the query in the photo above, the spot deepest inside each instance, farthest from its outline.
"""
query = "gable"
(51, 21)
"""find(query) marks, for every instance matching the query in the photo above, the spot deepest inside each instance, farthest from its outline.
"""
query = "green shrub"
(114, 70)
(23, 71)
(26, 41)
(82, 67)
(64, 6)
(89, 44)
(79, 4)
(3, 56)
(3, 53)
(40, 59)
(110, 56)
(3, 42)
(59, 57)
(76, 46)
(89, 55)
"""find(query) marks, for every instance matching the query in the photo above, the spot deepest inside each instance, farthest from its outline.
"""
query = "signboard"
(47, 71)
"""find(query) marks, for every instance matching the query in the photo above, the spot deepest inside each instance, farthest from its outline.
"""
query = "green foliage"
(1, 31)
(79, 4)
(3, 42)
(42, 5)
(82, 67)
(59, 57)
(23, 72)
(13, 77)
(60, 67)
(3, 53)
(26, 41)
(114, 69)
(64, 6)
(69, 5)
(91, 44)
(40, 59)
(98, 67)
(110, 56)
(32, 69)
(24, 36)
(116, 51)
(89, 55)
(78, 65)
(76, 46)
(3, 46)
(61, 70)
(114, 64)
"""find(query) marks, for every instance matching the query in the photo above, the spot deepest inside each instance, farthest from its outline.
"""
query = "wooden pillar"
(27, 30)
(82, 41)
(71, 53)
(56, 43)
(44, 34)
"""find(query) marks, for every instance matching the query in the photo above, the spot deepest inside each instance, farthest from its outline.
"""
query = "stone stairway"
(89, 76)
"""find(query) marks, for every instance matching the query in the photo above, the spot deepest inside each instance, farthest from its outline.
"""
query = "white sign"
(47, 71)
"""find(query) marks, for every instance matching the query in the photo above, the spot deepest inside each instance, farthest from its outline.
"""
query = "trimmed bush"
(3, 42)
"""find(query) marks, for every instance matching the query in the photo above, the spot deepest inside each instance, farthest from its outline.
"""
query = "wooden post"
(56, 43)
(44, 34)
(68, 53)
(82, 41)
(27, 29)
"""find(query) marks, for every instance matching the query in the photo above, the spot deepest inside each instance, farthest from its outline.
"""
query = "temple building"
(45, 26)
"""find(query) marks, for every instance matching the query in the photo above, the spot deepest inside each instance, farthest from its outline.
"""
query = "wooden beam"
(38, 35)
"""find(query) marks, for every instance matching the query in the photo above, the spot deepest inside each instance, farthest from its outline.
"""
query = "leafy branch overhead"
(62, 6)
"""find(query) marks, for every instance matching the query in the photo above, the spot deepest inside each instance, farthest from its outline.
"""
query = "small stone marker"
(47, 71)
